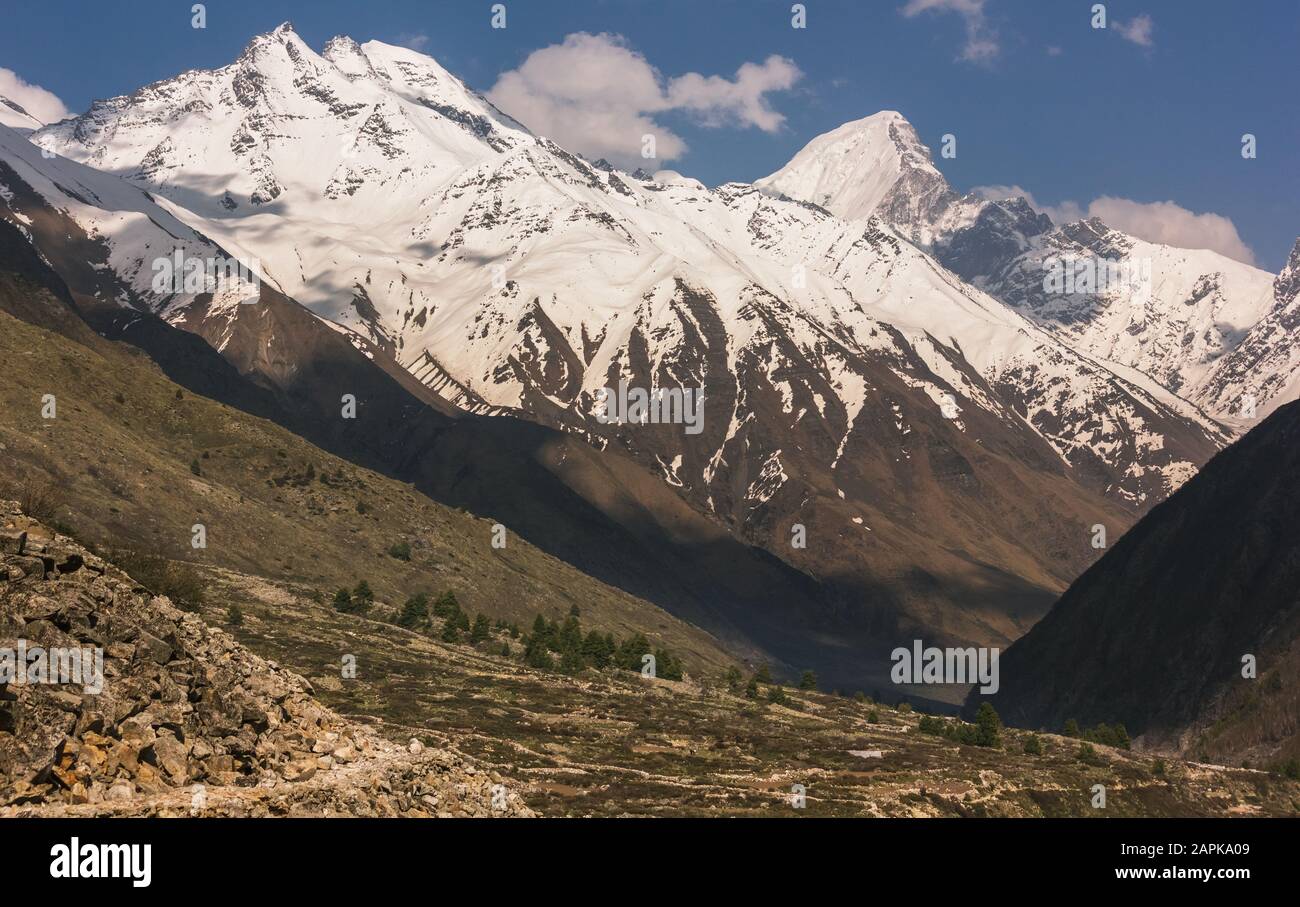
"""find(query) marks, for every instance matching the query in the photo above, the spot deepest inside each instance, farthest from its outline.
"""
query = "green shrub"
(1088, 755)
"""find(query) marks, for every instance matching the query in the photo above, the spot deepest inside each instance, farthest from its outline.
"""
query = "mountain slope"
(908, 423)
(598, 511)
(1154, 634)
(1264, 368)
(138, 462)
(16, 117)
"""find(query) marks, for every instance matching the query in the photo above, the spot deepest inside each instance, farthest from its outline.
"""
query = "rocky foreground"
(188, 721)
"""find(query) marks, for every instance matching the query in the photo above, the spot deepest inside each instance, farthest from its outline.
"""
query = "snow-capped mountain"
(873, 166)
(1172, 314)
(111, 232)
(913, 425)
(1263, 370)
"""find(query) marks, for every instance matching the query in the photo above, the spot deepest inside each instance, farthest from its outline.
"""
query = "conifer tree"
(988, 724)
(362, 597)
(343, 601)
(415, 612)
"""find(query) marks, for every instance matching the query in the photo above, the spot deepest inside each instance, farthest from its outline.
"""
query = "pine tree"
(450, 632)
(1071, 728)
(666, 666)
(481, 631)
(631, 650)
(988, 725)
(343, 601)
(571, 662)
(732, 678)
(594, 651)
(764, 674)
(446, 606)
(808, 681)
(751, 688)
(415, 612)
(362, 597)
(536, 654)
(570, 635)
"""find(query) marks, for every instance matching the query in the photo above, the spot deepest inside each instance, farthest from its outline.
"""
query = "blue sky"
(1151, 109)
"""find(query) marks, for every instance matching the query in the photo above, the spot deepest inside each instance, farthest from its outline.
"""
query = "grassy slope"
(125, 470)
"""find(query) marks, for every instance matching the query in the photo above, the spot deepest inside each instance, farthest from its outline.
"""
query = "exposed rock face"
(186, 722)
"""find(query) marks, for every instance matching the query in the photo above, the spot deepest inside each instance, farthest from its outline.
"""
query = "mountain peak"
(282, 35)
(864, 165)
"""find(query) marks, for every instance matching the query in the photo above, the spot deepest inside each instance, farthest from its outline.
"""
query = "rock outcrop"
(168, 716)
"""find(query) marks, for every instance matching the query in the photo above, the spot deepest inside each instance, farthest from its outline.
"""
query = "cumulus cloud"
(1174, 225)
(1160, 222)
(595, 94)
(1138, 30)
(981, 41)
(42, 104)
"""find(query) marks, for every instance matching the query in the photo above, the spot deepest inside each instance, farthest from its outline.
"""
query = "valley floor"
(617, 744)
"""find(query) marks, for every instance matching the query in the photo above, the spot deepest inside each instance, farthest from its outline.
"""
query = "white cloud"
(1138, 30)
(1160, 222)
(42, 104)
(415, 41)
(981, 41)
(1174, 225)
(595, 94)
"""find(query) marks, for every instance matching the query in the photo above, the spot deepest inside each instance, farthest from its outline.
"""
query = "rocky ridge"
(188, 722)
